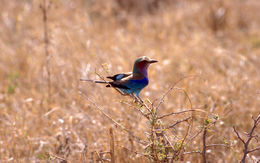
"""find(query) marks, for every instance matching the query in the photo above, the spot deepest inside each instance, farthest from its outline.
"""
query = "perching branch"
(142, 112)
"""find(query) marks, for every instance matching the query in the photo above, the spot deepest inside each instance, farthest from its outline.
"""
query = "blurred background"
(42, 112)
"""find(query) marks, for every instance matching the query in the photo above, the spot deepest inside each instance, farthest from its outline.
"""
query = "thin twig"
(182, 142)
(166, 137)
(184, 111)
(191, 152)
(186, 94)
(238, 136)
(214, 145)
(173, 125)
(200, 131)
(135, 152)
(57, 157)
(143, 113)
(147, 108)
(171, 88)
(114, 121)
(253, 150)
(99, 157)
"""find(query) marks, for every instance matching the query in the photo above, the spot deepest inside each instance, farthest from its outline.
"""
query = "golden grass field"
(48, 115)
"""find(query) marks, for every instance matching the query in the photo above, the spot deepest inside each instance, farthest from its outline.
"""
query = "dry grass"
(219, 41)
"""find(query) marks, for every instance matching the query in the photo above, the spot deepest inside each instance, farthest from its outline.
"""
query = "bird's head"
(141, 65)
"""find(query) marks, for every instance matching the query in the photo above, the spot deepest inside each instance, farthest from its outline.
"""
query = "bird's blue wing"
(119, 76)
(129, 83)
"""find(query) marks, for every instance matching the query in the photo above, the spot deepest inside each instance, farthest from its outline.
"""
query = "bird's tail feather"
(94, 81)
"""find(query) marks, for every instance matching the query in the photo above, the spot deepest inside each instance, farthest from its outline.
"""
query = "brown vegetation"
(46, 113)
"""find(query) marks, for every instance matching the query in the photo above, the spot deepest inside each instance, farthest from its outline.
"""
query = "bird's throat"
(141, 71)
(141, 68)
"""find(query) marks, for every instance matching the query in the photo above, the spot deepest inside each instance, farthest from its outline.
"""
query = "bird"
(130, 83)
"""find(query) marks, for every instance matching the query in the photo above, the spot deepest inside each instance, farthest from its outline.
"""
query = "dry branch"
(249, 138)
(171, 88)
(112, 145)
(44, 8)
(184, 111)
(182, 142)
(253, 150)
(57, 157)
(99, 157)
(216, 145)
(191, 152)
(138, 109)
(204, 159)
(173, 125)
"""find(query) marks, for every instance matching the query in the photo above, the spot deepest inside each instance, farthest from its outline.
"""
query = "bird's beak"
(152, 61)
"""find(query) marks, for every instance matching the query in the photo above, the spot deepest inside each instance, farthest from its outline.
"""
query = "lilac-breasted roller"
(133, 82)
